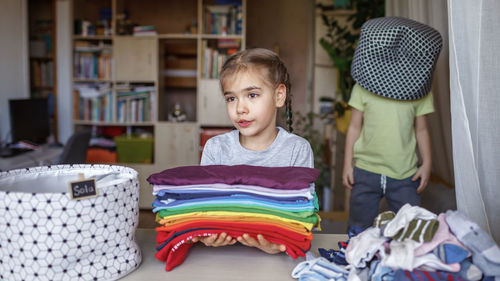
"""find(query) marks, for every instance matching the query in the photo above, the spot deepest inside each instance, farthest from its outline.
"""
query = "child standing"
(255, 83)
(392, 66)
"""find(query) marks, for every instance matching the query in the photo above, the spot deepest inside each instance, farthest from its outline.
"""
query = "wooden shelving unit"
(42, 38)
(169, 59)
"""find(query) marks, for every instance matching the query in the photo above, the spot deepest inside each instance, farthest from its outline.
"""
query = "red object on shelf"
(208, 132)
(113, 131)
(100, 156)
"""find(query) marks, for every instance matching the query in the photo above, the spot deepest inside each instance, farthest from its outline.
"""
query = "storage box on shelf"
(134, 149)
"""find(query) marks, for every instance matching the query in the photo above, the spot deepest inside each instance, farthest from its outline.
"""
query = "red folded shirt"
(175, 251)
(267, 230)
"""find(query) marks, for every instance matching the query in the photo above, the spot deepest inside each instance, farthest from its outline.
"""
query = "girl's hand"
(424, 173)
(348, 177)
(261, 243)
(215, 240)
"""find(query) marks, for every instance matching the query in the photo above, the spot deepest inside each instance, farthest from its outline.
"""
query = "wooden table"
(236, 262)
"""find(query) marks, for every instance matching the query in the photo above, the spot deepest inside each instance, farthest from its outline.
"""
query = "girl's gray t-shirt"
(287, 150)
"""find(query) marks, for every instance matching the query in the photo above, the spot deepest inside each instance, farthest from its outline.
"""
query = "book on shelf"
(38, 49)
(187, 73)
(101, 27)
(42, 73)
(223, 19)
(214, 56)
(84, 28)
(92, 61)
(94, 102)
(239, 20)
(144, 30)
(135, 104)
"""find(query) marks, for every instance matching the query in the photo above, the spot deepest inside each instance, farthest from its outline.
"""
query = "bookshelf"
(138, 67)
(92, 60)
(42, 65)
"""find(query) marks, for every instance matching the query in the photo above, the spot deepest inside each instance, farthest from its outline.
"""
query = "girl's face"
(252, 104)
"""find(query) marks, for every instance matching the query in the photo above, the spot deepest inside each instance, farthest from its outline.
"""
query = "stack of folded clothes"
(277, 202)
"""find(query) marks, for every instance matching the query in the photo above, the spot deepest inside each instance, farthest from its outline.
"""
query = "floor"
(437, 198)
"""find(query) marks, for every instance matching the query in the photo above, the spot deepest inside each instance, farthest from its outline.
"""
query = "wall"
(14, 75)
(288, 24)
(64, 70)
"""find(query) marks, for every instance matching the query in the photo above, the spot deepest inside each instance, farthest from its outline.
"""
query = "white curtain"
(469, 68)
(433, 13)
(475, 99)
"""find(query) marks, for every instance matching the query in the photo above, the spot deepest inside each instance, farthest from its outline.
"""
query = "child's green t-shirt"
(387, 143)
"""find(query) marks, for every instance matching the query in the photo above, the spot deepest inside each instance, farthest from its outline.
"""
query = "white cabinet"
(135, 58)
(211, 105)
(177, 144)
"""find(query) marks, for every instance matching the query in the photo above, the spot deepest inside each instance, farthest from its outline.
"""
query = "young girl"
(255, 83)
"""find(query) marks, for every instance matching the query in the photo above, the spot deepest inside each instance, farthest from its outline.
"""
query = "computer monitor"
(29, 120)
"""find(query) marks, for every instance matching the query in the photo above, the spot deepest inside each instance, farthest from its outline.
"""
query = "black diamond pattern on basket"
(395, 57)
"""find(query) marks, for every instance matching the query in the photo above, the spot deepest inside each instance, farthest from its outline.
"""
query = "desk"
(45, 155)
(236, 262)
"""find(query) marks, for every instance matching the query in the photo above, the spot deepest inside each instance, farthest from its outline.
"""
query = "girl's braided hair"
(276, 72)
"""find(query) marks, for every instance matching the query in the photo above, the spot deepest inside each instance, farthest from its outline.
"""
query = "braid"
(288, 102)
(289, 114)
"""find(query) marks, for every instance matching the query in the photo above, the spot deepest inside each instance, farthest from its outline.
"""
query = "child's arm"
(352, 135)
(261, 243)
(424, 146)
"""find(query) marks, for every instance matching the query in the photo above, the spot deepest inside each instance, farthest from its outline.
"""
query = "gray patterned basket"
(45, 235)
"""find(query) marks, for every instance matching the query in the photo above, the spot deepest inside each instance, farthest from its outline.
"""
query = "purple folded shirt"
(271, 177)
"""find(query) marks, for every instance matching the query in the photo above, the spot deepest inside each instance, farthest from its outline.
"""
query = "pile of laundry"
(277, 202)
(413, 244)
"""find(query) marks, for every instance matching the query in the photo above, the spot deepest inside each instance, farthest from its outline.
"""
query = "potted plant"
(304, 126)
(340, 43)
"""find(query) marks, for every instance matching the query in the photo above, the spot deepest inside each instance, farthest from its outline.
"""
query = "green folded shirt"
(309, 216)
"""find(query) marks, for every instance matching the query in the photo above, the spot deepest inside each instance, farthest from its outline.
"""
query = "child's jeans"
(369, 188)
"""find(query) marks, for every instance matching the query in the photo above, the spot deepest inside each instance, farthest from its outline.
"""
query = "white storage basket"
(45, 235)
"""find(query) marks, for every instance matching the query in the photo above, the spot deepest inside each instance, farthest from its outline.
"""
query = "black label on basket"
(83, 189)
